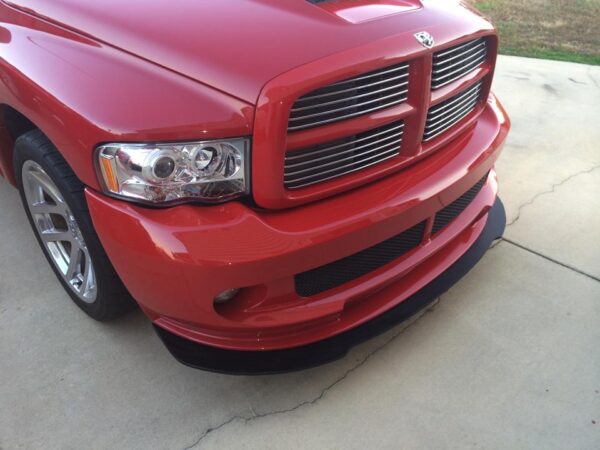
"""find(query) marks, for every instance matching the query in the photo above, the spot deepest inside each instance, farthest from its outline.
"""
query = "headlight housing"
(164, 174)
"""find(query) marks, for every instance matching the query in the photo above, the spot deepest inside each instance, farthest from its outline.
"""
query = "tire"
(54, 200)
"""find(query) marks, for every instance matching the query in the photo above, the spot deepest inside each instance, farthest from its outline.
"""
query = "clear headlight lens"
(206, 171)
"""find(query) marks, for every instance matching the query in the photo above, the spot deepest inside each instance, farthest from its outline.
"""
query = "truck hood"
(235, 46)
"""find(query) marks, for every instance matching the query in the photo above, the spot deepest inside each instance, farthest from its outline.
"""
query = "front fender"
(80, 93)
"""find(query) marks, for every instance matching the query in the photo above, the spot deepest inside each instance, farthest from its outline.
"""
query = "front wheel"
(55, 204)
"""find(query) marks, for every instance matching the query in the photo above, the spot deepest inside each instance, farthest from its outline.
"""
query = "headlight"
(206, 171)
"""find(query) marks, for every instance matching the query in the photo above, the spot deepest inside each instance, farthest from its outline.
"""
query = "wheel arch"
(13, 124)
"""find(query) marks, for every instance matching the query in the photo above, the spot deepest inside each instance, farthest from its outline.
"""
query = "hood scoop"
(358, 11)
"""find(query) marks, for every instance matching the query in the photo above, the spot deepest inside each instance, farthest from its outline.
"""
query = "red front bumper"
(175, 261)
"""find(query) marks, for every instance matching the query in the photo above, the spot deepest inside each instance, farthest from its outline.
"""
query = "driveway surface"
(509, 357)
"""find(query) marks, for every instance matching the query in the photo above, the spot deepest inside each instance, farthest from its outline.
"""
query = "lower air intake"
(355, 266)
(455, 209)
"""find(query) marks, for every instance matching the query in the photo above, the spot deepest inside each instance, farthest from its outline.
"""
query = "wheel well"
(15, 123)
(12, 125)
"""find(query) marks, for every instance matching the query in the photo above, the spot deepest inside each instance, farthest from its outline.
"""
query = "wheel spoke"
(74, 260)
(89, 278)
(48, 208)
(57, 236)
(46, 184)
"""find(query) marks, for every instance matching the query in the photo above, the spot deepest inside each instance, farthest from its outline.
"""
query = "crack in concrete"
(324, 392)
(550, 259)
(551, 191)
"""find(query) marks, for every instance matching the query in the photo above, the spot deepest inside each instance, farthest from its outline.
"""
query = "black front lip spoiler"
(277, 361)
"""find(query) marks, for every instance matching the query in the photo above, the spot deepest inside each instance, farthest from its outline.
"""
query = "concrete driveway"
(508, 358)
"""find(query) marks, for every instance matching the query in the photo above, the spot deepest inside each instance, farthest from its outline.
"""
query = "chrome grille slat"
(317, 152)
(366, 86)
(458, 119)
(443, 53)
(469, 51)
(368, 94)
(434, 122)
(350, 154)
(445, 115)
(374, 74)
(347, 116)
(461, 70)
(481, 52)
(356, 169)
(369, 102)
(457, 62)
(352, 167)
(452, 119)
(440, 114)
(352, 97)
(394, 144)
(345, 152)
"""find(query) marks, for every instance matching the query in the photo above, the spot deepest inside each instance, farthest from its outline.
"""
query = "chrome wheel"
(59, 231)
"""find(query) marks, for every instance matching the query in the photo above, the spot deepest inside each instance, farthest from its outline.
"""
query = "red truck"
(272, 182)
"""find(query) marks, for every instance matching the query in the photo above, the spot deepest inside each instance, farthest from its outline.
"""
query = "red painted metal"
(92, 72)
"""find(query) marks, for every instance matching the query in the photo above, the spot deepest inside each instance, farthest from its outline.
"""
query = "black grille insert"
(455, 209)
(354, 266)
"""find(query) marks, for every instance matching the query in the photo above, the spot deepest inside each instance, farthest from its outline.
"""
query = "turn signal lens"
(109, 174)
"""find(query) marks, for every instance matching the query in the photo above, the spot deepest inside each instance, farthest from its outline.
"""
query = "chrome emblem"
(426, 39)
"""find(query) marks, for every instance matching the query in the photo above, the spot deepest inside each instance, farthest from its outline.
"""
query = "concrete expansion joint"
(323, 393)
(548, 258)
(550, 191)
(530, 202)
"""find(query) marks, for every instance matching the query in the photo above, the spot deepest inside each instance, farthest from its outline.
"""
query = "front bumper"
(277, 361)
(175, 261)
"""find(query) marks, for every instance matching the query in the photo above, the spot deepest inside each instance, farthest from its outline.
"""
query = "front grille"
(379, 91)
(352, 267)
(455, 209)
(343, 271)
(452, 64)
(445, 115)
(353, 97)
(334, 159)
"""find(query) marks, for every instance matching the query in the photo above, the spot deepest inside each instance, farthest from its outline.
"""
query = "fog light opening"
(226, 296)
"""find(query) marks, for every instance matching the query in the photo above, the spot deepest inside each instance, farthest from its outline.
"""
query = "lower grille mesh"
(452, 211)
(345, 270)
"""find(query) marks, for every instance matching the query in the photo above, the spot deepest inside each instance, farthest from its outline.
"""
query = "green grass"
(556, 55)
(564, 30)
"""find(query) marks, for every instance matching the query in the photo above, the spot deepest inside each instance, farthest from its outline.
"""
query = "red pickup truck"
(272, 182)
